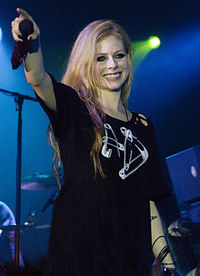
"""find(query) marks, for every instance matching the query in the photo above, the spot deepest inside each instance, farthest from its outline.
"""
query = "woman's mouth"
(112, 76)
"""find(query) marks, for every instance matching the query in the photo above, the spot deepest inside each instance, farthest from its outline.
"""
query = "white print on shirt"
(132, 150)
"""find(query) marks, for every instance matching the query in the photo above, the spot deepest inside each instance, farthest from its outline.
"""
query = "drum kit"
(31, 231)
(37, 182)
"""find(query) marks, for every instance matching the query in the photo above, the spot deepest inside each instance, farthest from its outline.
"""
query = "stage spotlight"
(154, 42)
(0, 34)
(142, 48)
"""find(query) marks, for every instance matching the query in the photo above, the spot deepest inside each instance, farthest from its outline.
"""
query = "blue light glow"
(0, 34)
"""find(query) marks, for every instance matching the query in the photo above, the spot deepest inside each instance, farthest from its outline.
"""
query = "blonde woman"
(101, 219)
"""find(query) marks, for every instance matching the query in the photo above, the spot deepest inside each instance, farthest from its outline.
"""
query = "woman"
(101, 218)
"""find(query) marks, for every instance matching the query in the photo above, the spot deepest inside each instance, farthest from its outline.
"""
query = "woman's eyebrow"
(120, 50)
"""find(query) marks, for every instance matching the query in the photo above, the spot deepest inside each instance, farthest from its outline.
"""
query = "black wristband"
(34, 45)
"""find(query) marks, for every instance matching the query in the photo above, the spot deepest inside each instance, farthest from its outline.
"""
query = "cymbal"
(39, 182)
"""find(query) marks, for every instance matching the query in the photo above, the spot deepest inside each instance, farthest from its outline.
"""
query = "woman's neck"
(111, 102)
(112, 105)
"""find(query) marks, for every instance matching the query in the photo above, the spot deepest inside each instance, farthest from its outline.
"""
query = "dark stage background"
(166, 83)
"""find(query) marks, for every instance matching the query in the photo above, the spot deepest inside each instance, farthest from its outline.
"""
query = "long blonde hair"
(80, 75)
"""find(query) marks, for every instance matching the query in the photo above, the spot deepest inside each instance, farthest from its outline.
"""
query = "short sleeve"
(159, 187)
(68, 106)
(160, 192)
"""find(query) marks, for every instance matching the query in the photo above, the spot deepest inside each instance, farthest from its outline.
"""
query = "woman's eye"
(120, 55)
(101, 58)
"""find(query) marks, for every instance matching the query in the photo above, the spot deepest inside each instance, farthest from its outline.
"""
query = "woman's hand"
(33, 62)
(15, 26)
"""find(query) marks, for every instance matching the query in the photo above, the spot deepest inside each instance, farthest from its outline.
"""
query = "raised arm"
(33, 63)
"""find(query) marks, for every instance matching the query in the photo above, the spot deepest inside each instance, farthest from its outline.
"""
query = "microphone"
(21, 48)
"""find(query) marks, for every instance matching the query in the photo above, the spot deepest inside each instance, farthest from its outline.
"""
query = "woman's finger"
(15, 29)
(16, 36)
(24, 14)
(15, 25)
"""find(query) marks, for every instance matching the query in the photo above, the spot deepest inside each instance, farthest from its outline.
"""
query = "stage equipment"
(184, 170)
(19, 99)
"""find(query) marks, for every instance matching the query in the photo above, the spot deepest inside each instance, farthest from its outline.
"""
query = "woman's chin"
(112, 88)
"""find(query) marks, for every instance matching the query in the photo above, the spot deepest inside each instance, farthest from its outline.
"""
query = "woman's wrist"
(34, 45)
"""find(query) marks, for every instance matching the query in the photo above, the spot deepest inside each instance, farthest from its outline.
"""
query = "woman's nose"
(111, 63)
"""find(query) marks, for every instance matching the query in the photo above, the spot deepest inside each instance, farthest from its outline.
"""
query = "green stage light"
(154, 42)
(142, 48)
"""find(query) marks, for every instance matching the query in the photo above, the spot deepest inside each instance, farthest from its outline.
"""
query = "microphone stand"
(19, 99)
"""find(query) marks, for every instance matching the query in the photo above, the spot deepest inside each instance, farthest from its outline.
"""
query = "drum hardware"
(22, 227)
(51, 200)
(31, 212)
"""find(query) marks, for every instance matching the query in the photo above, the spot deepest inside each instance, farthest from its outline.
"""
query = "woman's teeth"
(115, 75)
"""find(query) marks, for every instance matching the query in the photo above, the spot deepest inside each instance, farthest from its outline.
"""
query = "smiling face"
(112, 67)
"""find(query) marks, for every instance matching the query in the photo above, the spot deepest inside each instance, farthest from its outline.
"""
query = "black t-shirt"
(101, 226)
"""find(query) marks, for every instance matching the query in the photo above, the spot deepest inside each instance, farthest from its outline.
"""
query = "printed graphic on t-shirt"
(132, 152)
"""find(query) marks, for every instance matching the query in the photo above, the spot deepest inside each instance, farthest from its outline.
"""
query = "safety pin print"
(134, 152)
